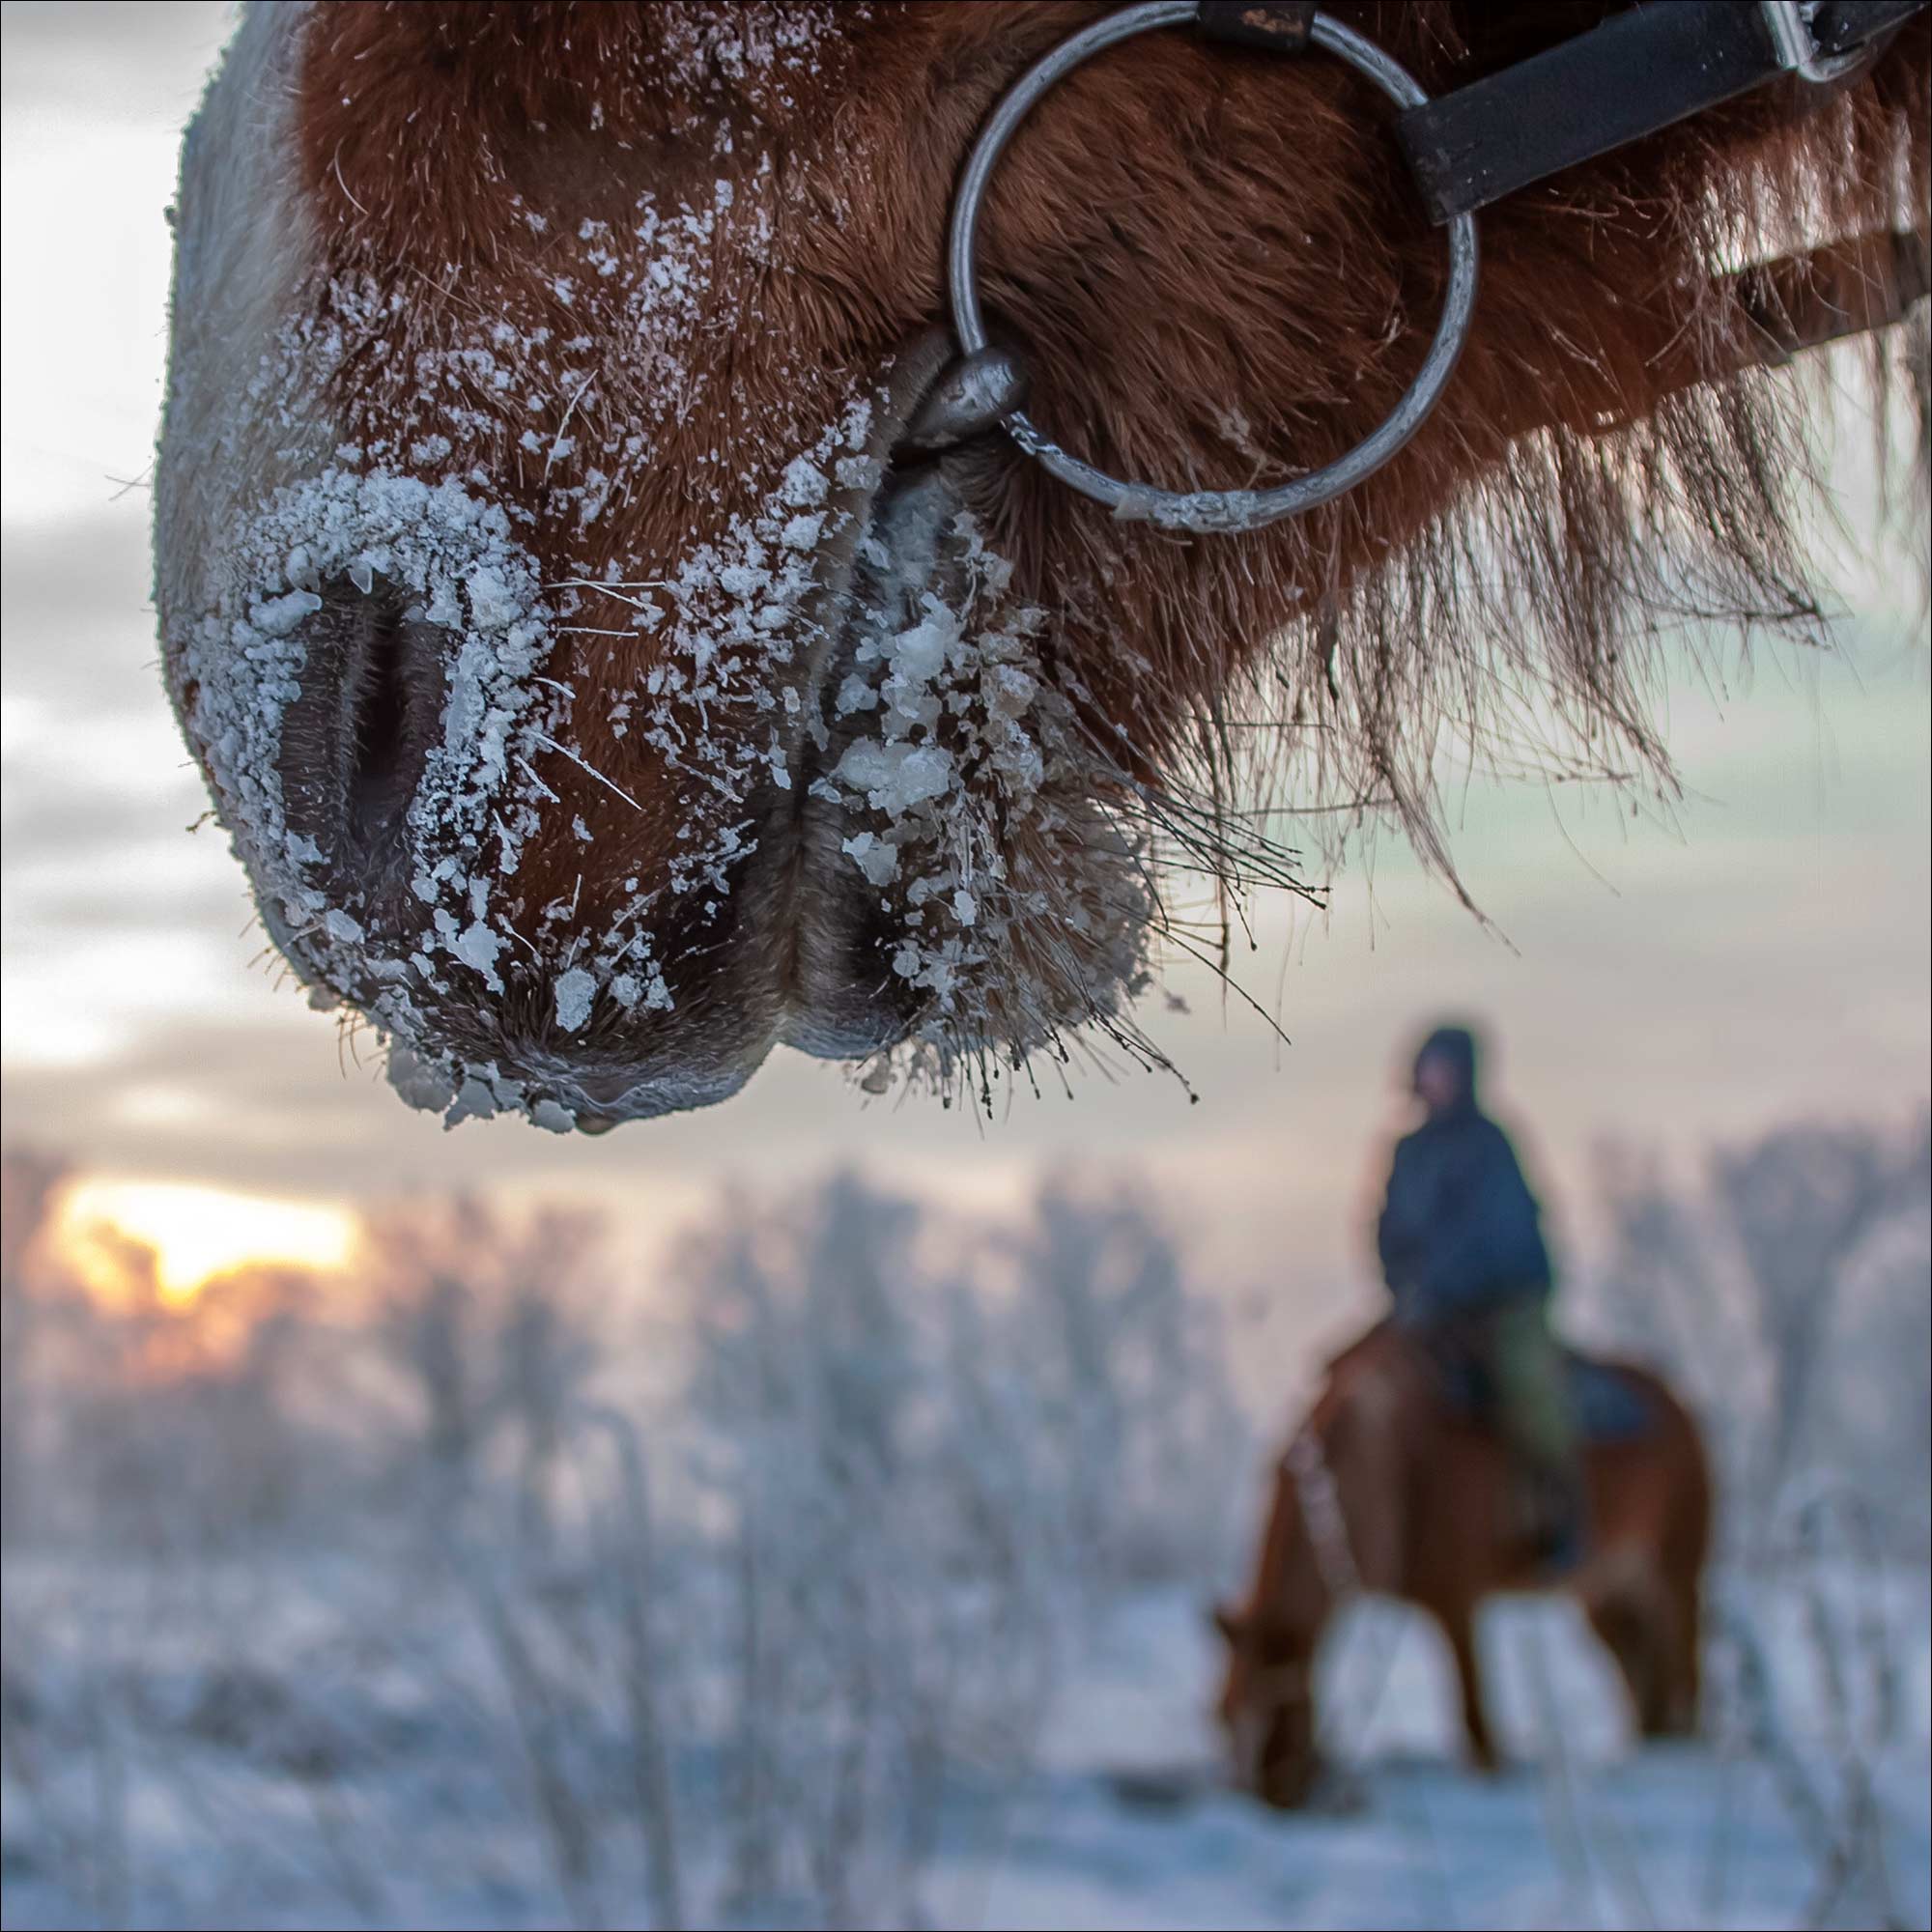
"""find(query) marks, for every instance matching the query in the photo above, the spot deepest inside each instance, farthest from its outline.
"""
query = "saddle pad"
(1608, 1406)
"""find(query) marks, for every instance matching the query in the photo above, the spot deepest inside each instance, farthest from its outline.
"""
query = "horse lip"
(829, 989)
(840, 997)
(843, 999)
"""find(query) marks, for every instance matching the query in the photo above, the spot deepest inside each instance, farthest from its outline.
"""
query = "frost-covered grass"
(309, 1743)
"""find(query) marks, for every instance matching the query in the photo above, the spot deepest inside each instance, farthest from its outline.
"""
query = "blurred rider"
(1464, 1255)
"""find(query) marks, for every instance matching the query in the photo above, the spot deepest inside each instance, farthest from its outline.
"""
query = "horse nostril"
(378, 714)
(358, 737)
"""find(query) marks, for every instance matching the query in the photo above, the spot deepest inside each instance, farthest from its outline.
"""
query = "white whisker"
(584, 764)
(531, 769)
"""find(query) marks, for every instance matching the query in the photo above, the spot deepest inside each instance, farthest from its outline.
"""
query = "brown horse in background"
(1385, 1490)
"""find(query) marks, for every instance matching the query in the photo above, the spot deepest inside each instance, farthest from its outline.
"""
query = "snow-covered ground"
(303, 1745)
(1583, 1827)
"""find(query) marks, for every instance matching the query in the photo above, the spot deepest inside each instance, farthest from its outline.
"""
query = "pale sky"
(1763, 954)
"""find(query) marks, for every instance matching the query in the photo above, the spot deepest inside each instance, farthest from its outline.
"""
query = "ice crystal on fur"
(979, 815)
(457, 559)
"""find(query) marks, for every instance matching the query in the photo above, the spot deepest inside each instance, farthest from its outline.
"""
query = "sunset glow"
(197, 1233)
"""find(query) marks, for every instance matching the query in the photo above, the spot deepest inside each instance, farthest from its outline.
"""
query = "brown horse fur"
(1424, 1501)
(1217, 270)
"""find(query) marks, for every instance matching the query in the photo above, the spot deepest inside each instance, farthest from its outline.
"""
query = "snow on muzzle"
(909, 859)
(360, 694)
(957, 797)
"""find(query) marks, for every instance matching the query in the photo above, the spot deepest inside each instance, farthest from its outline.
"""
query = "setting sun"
(200, 1232)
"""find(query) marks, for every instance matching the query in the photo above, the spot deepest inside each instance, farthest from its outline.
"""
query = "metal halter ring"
(1206, 509)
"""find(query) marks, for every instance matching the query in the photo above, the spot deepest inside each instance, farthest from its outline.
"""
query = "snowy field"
(313, 1748)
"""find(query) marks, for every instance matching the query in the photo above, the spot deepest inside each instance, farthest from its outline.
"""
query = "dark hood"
(1458, 1046)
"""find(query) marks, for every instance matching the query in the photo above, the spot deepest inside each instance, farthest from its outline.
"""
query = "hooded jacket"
(1460, 1232)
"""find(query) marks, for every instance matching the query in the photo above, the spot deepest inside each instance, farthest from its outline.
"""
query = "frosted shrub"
(727, 1655)
(925, 1454)
(1788, 1295)
(1138, 1419)
(882, 1612)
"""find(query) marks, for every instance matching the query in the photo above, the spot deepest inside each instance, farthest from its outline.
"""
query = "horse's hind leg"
(1621, 1629)
(1459, 1627)
(1686, 1655)
(1637, 1623)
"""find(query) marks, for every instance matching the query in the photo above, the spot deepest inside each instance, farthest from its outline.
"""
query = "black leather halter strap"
(1641, 71)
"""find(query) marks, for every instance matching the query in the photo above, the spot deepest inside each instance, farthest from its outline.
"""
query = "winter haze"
(330, 1579)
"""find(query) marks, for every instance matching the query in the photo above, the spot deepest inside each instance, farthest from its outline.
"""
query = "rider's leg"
(1533, 1413)
(1532, 1393)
